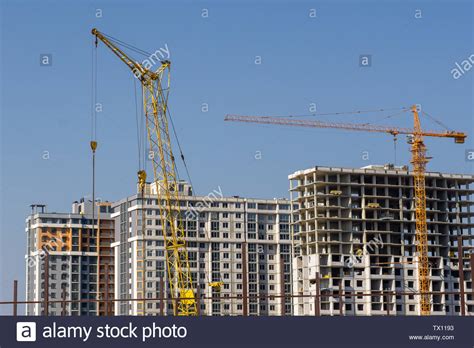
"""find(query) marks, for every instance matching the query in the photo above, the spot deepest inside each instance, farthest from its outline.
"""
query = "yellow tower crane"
(418, 160)
(155, 90)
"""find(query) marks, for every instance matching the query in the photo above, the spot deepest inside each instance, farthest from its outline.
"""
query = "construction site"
(356, 229)
(381, 240)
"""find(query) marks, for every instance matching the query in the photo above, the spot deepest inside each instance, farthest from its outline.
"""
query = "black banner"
(399, 332)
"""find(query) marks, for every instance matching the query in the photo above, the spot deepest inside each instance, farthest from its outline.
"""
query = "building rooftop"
(378, 169)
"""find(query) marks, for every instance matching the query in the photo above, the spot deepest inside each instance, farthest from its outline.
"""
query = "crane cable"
(94, 92)
(141, 141)
(180, 152)
(438, 122)
(403, 109)
(127, 45)
(345, 112)
(139, 127)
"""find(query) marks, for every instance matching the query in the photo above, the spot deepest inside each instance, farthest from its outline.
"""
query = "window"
(284, 218)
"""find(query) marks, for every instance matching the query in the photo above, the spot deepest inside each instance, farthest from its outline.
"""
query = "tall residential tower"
(233, 243)
(65, 253)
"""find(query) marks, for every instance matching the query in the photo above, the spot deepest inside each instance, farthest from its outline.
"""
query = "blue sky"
(303, 60)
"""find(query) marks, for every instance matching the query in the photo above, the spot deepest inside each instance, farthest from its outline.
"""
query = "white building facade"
(222, 234)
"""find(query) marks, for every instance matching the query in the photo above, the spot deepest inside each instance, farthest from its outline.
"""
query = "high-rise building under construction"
(354, 230)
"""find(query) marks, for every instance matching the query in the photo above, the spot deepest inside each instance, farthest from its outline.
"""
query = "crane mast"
(155, 91)
(418, 160)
